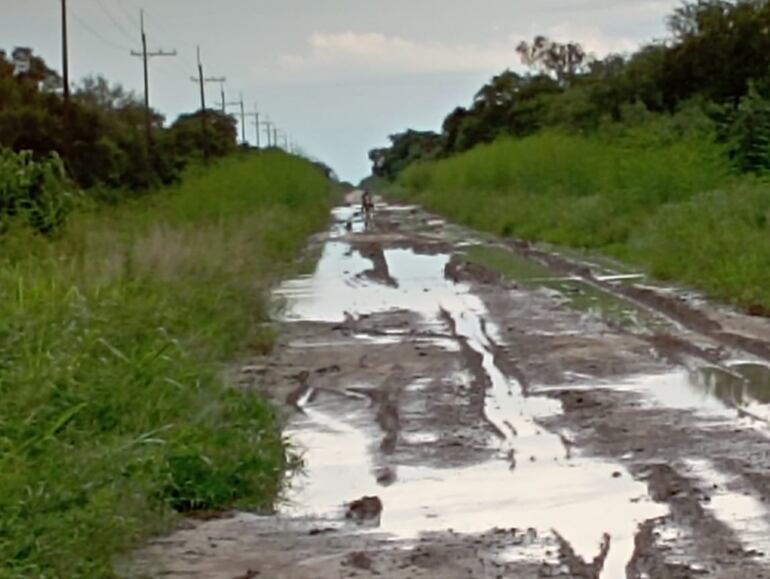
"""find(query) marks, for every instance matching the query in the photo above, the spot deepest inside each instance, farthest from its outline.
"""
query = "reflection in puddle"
(337, 287)
(744, 513)
(581, 499)
(741, 385)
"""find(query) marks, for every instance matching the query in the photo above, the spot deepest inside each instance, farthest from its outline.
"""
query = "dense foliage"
(34, 193)
(717, 59)
(101, 136)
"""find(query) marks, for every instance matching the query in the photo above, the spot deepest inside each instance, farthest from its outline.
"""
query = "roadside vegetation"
(661, 157)
(116, 326)
(676, 209)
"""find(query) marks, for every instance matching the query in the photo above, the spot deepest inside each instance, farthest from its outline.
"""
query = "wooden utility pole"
(243, 122)
(256, 124)
(65, 54)
(238, 103)
(201, 80)
(268, 130)
(222, 103)
(145, 56)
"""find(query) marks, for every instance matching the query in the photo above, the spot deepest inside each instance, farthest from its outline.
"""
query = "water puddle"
(743, 513)
(533, 483)
(739, 386)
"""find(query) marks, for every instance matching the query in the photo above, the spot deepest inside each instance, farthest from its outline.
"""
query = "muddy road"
(563, 418)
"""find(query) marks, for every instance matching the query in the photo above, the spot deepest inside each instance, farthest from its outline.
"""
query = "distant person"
(367, 206)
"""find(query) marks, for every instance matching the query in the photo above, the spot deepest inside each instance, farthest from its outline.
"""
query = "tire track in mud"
(678, 351)
(670, 308)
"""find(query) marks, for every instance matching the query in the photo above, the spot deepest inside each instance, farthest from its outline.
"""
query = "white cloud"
(352, 53)
(346, 55)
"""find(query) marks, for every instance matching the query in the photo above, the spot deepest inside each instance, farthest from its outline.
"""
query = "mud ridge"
(671, 307)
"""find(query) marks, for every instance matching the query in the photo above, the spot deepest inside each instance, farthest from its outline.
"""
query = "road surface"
(567, 419)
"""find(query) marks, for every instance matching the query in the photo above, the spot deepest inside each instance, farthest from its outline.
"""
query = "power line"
(115, 22)
(127, 13)
(96, 34)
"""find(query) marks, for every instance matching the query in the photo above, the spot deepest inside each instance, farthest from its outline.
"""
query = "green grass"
(671, 206)
(507, 263)
(578, 294)
(113, 343)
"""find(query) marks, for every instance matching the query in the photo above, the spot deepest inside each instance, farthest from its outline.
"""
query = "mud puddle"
(744, 513)
(738, 387)
(535, 482)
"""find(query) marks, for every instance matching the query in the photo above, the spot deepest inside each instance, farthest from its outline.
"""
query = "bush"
(34, 193)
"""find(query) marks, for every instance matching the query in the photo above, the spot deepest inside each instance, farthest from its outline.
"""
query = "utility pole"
(201, 80)
(65, 54)
(222, 96)
(145, 56)
(243, 122)
(275, 137)
(256, 123)
(268, 130)
(243, 114)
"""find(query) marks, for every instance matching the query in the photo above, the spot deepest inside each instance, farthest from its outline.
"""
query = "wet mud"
(459, 420)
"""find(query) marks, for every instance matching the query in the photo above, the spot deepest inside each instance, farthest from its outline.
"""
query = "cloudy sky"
(338, 75)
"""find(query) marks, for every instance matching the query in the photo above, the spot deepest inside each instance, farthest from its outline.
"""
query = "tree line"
(711, 74)
(97, 142)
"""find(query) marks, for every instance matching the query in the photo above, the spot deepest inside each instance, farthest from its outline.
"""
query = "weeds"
(113, 340)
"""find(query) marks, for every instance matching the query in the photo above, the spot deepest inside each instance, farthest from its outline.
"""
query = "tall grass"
(670, 204)
(113, 341)
(567, 189)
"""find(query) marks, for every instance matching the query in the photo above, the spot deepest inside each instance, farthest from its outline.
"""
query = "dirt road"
(566, 419)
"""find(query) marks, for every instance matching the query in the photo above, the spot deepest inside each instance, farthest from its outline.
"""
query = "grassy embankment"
(113, 338)
(672, 207)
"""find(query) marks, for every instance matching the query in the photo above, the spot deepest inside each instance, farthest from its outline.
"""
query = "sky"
(338, 76)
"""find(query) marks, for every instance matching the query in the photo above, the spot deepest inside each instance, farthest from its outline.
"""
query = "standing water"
(532, 483)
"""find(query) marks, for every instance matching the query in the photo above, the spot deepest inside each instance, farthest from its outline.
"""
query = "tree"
(563, 61)
(186, 134)
(718, 48)
(406, 148)
(750, 133)
(104, 140)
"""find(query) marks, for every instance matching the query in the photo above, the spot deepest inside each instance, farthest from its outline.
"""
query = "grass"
(673, 207)
(507, 263)
(113, 342)
(577, 294)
